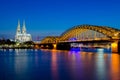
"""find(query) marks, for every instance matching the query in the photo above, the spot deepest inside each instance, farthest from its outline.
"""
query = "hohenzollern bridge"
(84, 36)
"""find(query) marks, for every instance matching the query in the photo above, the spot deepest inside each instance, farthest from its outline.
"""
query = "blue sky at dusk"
(53, 17)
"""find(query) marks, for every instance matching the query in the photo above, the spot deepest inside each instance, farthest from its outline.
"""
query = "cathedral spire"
(22, 36)
(18, 28)
(24, 28)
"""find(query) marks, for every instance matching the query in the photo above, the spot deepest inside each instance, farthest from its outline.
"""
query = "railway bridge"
(85, 36)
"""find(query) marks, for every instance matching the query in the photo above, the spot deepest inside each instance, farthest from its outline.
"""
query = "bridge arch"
(50, 39)
(108, 32)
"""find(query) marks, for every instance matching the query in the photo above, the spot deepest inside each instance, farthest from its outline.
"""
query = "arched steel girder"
(50, 39)
(72, 33)
(108, 31)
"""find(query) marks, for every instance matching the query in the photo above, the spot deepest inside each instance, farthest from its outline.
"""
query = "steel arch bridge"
(83, 33)
(50, 39)
(90, 32)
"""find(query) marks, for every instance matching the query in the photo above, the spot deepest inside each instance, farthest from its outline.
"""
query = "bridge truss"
(90, 32)
(85, 33)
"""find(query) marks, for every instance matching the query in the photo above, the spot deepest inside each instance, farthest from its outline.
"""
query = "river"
(33, 64)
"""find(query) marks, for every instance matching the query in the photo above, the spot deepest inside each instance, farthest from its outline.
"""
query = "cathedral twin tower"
(22, 36)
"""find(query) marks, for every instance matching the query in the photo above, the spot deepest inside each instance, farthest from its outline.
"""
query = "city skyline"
(53, 17)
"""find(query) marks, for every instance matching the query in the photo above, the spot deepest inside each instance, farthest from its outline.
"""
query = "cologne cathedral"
(22, 36)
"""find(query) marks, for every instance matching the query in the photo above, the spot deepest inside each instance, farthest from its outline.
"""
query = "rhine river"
(29, 64)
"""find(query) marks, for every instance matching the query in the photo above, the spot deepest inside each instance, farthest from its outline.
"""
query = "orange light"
(36, 46)
(114, 45)
(54, 46)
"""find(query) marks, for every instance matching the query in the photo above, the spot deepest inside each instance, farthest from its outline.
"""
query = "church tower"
(18, 32)
(22, 36)
(18, 28)
(23, 28)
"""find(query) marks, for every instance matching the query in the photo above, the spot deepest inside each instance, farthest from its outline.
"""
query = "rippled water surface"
(23, 64)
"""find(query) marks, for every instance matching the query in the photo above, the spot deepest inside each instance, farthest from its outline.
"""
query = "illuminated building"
(22, 36)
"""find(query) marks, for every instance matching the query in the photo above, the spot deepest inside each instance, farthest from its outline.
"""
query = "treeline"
(6, 41)
(9, 42)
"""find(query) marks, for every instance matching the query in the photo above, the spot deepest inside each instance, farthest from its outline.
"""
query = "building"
(22, 36)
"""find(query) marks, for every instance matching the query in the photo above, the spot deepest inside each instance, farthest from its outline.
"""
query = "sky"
(53, 17)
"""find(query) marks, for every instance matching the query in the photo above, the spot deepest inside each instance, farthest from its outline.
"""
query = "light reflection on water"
(100, 65)
(54, 66)
(23, 64)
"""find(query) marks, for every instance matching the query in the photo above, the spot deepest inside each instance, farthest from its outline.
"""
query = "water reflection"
(100, 65)
(22, 64)
(115, 67)
(54, 65)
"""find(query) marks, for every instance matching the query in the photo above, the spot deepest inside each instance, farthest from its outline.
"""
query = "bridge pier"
(46, 46)
(63, 46)
(115, 47)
